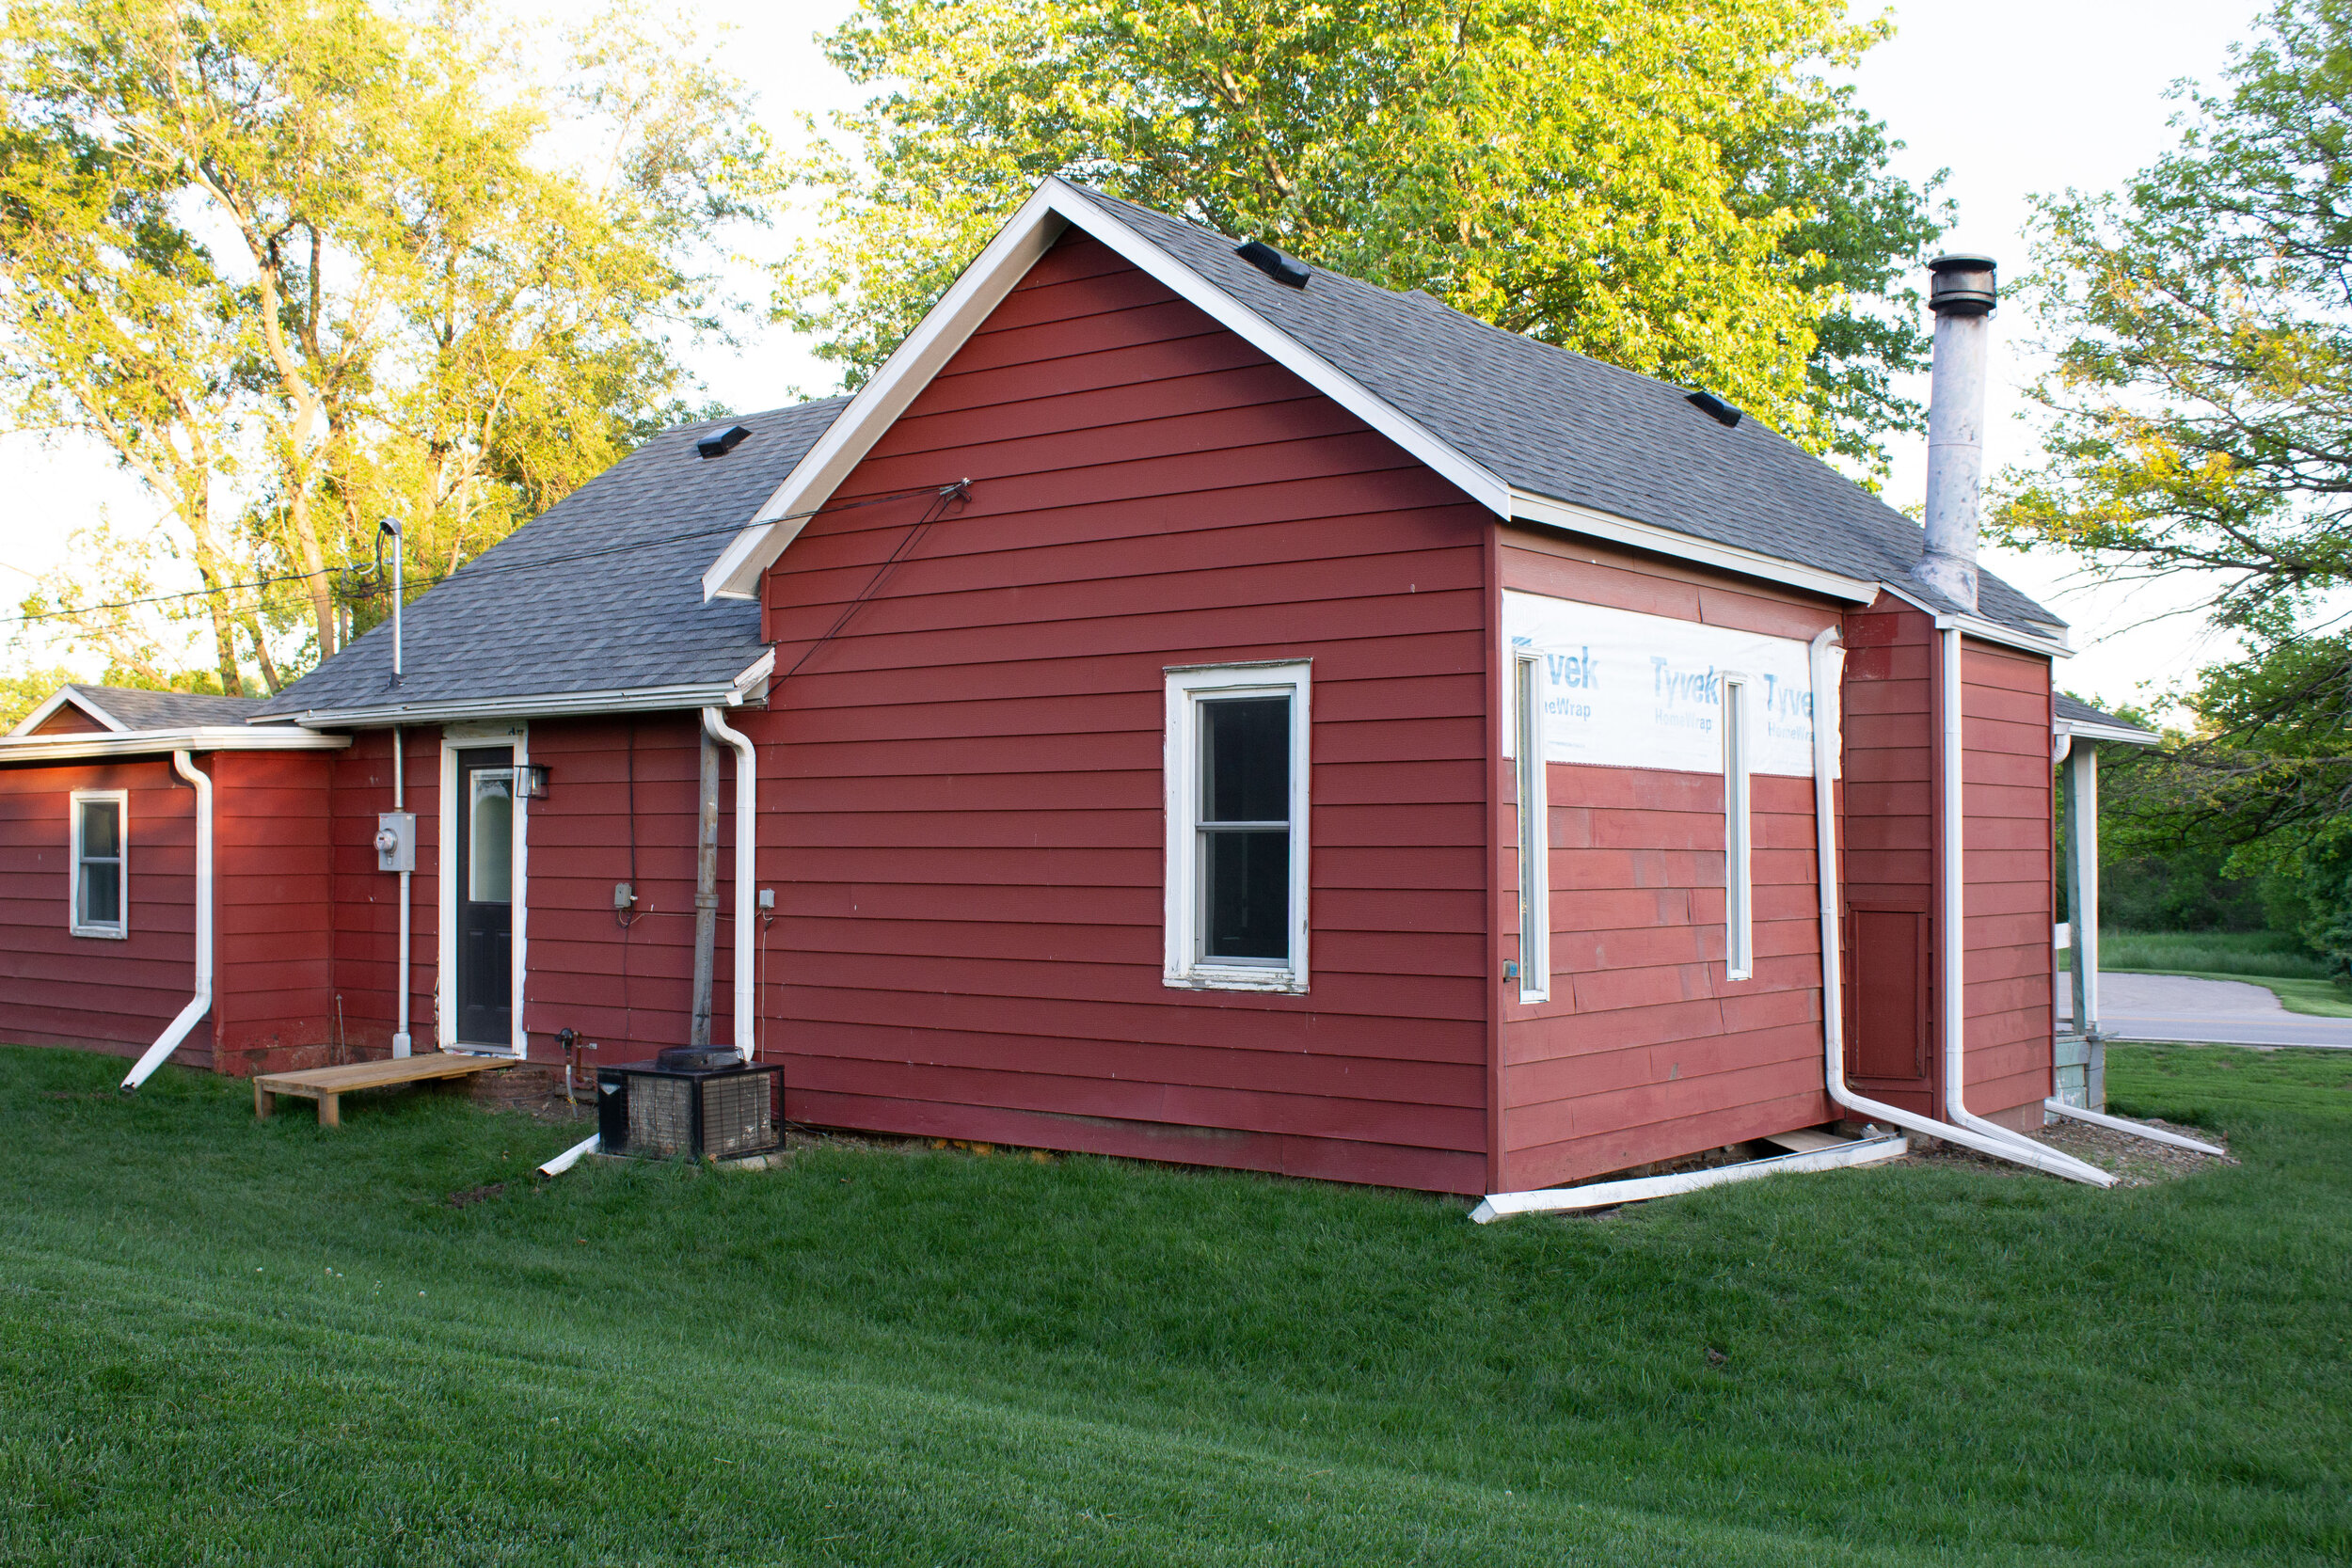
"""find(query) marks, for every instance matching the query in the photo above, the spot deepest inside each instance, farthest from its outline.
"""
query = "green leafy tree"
(1666, 184)
(305, 265)
(2201, 321)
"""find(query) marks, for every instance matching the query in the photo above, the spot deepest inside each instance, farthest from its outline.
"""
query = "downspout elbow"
(177, 1030)
(746, 874)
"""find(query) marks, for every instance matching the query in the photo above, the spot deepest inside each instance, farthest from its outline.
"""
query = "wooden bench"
(328, 1085)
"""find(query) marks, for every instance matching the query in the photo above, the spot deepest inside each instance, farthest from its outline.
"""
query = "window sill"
(112, 933)
(1279, 982)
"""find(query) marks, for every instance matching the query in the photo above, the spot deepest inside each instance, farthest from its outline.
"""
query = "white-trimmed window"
(101, 862)
(1527, 707)
(1237, 765)
(1738, 836)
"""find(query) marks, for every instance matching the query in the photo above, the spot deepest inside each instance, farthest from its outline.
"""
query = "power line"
(480, 566)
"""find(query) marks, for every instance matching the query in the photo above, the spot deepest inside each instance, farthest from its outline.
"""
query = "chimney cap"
(1962, 285)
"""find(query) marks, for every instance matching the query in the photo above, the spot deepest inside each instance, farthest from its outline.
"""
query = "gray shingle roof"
(2073, 710)
(134, 709)
(600, 592)
(1572, 427)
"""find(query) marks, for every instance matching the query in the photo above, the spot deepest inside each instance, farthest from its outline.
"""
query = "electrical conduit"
(2008, 1146)
(746, 874)
(201, 1002)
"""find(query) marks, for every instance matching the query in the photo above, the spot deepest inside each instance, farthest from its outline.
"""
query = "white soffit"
(1016, 248)
(1528, 507)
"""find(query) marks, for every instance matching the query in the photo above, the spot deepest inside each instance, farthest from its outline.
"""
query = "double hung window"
(1236, 786)
(102, 864)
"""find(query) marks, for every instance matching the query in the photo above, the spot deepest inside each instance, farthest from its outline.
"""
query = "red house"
(1187, 705)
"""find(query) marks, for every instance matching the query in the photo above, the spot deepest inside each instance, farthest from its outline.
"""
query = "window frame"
(120, 800)
(1183, 965)
(1739, 830)
(1534, 824)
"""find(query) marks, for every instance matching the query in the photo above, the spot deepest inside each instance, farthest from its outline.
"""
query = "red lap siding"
(103, 994)
(961, 786)
(273, 896)
(2008, 853)
(1643, 1050)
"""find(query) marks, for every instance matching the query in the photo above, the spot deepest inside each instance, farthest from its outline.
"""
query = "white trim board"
(120, 800)
(649, 699)
(456, 738)
(132, 743)
(2084, 730)
(1543, 511)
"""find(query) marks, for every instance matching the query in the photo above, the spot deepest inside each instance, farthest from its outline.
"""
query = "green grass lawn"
(224, 1342)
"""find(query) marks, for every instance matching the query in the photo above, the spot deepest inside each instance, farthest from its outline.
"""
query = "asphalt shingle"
(135, 709)
(1563, 425)
(600, 592)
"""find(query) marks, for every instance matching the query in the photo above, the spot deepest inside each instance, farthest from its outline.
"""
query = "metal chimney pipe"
(1961, 291)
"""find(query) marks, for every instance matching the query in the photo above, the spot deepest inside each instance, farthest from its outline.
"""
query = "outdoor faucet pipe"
(746, 874)
(201, 1002)
(1833, 1010)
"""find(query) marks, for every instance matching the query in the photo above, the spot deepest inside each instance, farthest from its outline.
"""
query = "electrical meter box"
(396, 841)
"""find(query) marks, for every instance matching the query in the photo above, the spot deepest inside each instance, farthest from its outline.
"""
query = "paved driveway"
(2225, 1012)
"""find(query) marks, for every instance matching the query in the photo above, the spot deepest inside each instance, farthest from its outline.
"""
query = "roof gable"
(1525, 428)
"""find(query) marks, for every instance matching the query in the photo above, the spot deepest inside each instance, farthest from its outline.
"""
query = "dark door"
(486, 897)
(1889, 991)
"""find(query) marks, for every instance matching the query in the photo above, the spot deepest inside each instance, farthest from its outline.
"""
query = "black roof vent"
(1283, 269)
(723, 443)
(1715, 408)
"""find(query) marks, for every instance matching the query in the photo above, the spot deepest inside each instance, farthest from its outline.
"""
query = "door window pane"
(491, 831)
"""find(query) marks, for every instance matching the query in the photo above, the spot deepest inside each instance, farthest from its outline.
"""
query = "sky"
(2013, 97)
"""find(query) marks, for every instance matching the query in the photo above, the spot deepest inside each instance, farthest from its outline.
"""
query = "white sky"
(2015, 97)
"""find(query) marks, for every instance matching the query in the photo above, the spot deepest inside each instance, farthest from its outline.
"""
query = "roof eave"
(640, 699)
(2120, 733)
(1548, 512)
(1056, 206)
(208, 738)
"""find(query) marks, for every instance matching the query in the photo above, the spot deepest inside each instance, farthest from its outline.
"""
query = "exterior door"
(486, 897)
(1889, 999)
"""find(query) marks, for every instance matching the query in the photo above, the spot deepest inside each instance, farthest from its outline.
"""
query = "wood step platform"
(328, 1085)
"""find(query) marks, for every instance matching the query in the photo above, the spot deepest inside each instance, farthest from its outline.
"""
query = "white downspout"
(2018, 1151)
(201, 1002)
(401, 1043)
(746, 875)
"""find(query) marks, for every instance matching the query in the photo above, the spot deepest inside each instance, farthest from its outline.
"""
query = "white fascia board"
(233, 737)
(2082, 730)
(1525, 506)
(1017, 248)
(557, 705)
(62, 697)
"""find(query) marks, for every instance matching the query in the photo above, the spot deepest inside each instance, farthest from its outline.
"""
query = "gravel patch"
(2134, 1162)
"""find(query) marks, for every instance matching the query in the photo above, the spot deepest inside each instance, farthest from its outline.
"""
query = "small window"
(1739, 838)
(1534, 841)
(1236, 782)
(102, 864)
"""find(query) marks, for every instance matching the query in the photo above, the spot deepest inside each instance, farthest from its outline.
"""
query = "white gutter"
(2021, 1151)
(2137, 1130)
(746, 875)
(572, 1155)
(235, 737)
(201, 1002)
(649, 699)
(1607, 1195)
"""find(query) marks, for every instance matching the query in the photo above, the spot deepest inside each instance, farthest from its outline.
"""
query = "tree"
(2199, 408)
(303, 265)
(1667, 184)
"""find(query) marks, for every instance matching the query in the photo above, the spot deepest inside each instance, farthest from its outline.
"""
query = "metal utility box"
(396, 841)
(644, 1108)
